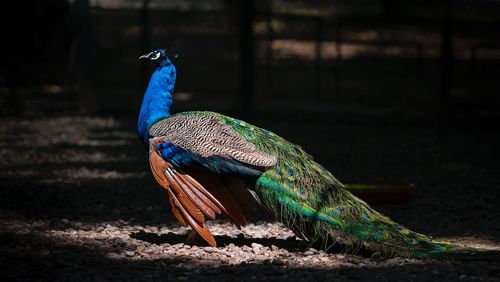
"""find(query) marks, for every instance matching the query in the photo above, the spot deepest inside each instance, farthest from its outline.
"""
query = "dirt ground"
(77, 201)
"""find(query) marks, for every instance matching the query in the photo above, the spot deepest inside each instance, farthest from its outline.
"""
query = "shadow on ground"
(72, 262)
(66, 182)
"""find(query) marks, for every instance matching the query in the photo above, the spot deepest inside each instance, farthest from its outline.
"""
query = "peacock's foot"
(193, 239)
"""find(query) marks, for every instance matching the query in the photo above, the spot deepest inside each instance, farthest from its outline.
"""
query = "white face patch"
(156, 55)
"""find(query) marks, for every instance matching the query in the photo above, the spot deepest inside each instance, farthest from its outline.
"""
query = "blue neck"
(157, 99)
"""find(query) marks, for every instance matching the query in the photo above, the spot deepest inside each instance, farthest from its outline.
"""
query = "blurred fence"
(238, 54)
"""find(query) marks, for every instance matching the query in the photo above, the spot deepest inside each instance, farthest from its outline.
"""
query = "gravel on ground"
(77, 203)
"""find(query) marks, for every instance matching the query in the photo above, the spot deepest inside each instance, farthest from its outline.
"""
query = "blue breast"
(157, 99)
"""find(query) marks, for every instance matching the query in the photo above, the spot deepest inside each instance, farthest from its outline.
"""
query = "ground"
(77, 201)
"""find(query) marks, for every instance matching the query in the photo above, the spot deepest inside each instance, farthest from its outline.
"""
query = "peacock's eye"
(156, 55)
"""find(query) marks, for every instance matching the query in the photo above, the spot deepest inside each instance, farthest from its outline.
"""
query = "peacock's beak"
(146, 56)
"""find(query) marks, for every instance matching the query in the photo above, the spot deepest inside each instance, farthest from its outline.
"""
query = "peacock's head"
(158, 56)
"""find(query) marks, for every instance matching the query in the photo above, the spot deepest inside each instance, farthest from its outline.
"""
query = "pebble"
(118, 242)
(101, 237)
(256, 246)
(209, 249)
(129, 253)
(178, 246)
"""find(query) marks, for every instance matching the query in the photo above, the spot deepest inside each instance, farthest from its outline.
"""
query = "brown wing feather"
(157, 167)
(175, 210)
(232, 194)
(243, 196)
(180, 192)
(201, 229)
(203, 195)
(191, 200)
(183, 208)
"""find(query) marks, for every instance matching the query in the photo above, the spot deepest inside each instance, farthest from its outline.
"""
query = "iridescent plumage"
(211, 164)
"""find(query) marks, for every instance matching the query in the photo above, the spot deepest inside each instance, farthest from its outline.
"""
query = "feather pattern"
(308, 199)
(206, 139)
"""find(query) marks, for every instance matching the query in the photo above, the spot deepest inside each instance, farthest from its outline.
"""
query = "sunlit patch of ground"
(269, 245)
(477, 242)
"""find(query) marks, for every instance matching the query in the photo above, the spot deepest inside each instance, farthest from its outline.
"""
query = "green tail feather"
(454, 252)
(307, 198)
(347, 221)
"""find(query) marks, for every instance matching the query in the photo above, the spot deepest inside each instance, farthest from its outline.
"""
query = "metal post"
(85, 56)
(317, 65)
(269, 49)
(246, 10)
(145, 28)
(145, 38)
(338, 56)
(446, 56)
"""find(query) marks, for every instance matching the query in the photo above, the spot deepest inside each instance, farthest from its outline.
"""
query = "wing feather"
(191, 201)
(208, 136)
(194, 210)
(231, 193)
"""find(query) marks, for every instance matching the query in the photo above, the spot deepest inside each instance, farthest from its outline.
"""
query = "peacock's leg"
(194, 239)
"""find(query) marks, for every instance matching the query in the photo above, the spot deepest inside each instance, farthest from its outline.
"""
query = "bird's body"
(211, 164)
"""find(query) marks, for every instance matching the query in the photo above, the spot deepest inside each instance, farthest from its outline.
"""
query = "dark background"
(379, 55)
(386, 90)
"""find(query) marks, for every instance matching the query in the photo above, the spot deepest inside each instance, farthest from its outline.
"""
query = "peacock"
(209, 164)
